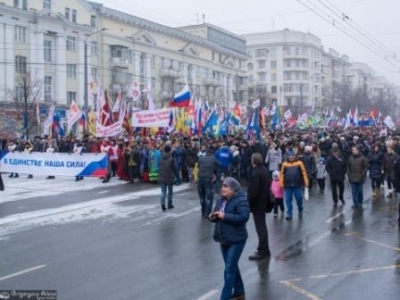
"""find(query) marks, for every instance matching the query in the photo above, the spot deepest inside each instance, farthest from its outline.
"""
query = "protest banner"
(151, 118)
(54, 164)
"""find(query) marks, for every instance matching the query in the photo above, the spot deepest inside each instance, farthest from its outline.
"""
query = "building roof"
(166, 30)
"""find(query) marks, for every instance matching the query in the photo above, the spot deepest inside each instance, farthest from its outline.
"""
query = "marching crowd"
(280, 167)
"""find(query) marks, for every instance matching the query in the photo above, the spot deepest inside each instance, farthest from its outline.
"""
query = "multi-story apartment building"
(293, 68)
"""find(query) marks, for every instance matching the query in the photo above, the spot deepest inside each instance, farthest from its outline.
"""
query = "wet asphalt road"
(92, 241)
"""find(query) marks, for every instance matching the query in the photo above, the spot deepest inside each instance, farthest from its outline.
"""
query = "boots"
(374, 193)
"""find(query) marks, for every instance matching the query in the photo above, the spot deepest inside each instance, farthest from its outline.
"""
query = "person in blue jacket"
(224, 158)
(230, 215)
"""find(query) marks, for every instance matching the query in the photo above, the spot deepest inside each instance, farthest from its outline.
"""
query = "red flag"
(105, 112)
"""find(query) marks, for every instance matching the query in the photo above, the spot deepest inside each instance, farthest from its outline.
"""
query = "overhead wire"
(328, 18)
(348, 21)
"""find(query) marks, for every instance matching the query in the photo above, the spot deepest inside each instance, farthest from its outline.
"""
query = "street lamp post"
(86, 83)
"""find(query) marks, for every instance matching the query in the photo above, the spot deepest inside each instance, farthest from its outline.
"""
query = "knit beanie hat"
(275, 174)
(232, 183)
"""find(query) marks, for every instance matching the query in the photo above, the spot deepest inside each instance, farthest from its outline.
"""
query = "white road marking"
(208, 295)
(22, 272)
(335, 216)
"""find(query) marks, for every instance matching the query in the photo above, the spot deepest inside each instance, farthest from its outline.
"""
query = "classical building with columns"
(165, 59)
(45, 41)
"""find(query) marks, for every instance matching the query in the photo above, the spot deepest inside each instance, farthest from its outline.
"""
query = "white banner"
(112, 130)
(55, 164)
(389, 122)
(256, 104)
(287, 114)
(151, 118)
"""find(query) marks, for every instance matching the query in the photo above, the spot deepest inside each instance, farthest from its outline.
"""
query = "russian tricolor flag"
(182, 99)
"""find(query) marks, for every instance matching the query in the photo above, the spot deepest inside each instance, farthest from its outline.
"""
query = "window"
(47, 88)
(261, 64)
(287, 63)
(71, 43)
(20, 34)
(47, 51)
(250, 67)
(274, 89)
(67, 13)
(261, 52)
(19, 93)
(73, 16)
(71, 71)
(94, 48)
(71, 96)
(47, 4)
(262, 77)
(20, 64)
(16, 3)
(25, 4)
(273, 64)
(95, 72)
(274, 77)
(93, 21)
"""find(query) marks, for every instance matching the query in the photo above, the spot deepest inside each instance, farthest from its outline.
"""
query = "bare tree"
(22, 102)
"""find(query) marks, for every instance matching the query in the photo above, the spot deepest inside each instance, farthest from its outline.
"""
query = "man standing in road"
(257, 193)
(293, 178)
(205, 184)
(357, 172)
(336, 167)
(166, 176)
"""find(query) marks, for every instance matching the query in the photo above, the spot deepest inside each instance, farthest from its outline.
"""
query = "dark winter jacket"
(293, 175)
(166, 169)
(336, 167)
(207, 167)
(309, 163)
(232, 229)
(388, 165)
(357, 168)
(258, 189)
(375, 160)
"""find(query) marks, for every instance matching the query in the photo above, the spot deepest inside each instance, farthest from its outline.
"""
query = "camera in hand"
(213, 217)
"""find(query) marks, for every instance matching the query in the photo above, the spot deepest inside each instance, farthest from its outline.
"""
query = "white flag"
(256, 104)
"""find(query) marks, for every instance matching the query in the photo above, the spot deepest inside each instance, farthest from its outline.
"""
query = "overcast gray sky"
(378, 20)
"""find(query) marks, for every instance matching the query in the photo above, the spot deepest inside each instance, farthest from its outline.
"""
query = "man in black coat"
(336, 167)
(257, 195)
(166, 176)
(205, 185)
(1, 183)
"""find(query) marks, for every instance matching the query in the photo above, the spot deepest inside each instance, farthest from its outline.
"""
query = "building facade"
(294, 69)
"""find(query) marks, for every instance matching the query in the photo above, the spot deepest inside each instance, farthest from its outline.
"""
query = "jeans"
(205, 189)
(376, 183)
(357, 193)
(233, 284)
(177, 173)
(289, 193)
(164, 187)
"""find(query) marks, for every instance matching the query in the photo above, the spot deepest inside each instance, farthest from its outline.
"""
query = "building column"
(136, 66)
(230, 91)
(225, 87)
(185, 73)
(80, 76)
(147, 71)
(61, 71)
(36, 67)
(7, 69)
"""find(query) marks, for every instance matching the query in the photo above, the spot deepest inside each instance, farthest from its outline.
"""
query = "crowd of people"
(276, 169)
